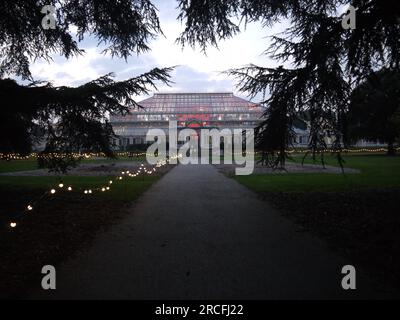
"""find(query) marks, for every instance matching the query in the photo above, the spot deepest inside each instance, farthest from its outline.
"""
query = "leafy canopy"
(375, 107)
(70, 119)
(124, 26)
(326, 61)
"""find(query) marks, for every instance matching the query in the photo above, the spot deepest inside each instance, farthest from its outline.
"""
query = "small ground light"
(90, 191)
(85, 191)
(53, 191)
(110, 182)
(103, 189)
(69, 189)
(13, 224)
(29, 207)
(61, 185)
(108, 188)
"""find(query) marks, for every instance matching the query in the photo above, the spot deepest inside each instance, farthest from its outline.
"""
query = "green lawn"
(125, 190)
(61, 223)
(141, 158)
(31, 164)
(18, 165)
(377, 171)
(355, 214)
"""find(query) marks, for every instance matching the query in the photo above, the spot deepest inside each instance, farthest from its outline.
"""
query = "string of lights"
(291, 151)
(16, 156)
(360, 150)
(126, 174)
(141, 170)
(76, 155)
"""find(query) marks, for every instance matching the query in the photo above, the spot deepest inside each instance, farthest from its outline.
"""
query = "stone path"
(197, 234)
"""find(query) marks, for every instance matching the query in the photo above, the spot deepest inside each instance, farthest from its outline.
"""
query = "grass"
(31, 163)
(125, 190)
(18, 165)
(356, 214)
(377, 171)
(60, 224)
(141, 158)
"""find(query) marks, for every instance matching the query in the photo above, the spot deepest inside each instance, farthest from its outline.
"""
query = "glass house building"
(189, 110)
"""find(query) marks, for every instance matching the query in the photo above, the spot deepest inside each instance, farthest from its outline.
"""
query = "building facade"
(189, 110)
(197, 111)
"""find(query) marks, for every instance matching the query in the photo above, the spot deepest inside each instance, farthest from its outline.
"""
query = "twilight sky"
(196, 72)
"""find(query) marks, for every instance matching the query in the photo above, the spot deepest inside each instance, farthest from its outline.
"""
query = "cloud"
(187, 79)
(196, 72)
(61, 71)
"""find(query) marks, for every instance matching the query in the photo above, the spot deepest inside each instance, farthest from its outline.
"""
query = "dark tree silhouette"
(125, 26)
(71, 119)
(374, 109)
(327, 60)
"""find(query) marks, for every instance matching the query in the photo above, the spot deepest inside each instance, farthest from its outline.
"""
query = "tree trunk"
(391, 150)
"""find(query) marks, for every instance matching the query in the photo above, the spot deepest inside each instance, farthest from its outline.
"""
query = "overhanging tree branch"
(71, 119)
